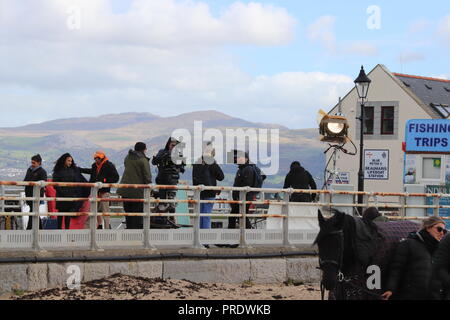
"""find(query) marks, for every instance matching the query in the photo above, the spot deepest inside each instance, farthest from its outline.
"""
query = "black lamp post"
(362, 84)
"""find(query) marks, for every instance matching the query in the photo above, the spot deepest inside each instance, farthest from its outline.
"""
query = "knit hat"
(140, 146)
(99, 154)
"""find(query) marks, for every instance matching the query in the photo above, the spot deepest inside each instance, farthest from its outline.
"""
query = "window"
(387, 120)
(431, 168)
(368, 120)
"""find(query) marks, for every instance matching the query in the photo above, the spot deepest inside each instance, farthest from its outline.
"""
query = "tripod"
(333, 174)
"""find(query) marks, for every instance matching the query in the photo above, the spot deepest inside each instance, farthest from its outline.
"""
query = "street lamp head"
(362, 84)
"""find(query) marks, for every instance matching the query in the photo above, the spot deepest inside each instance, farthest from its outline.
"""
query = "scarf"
(430, 242)
(99, 166)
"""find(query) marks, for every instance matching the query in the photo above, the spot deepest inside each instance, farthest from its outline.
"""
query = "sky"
(263, 61)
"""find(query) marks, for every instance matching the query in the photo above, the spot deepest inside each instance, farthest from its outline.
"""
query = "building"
(393, 99)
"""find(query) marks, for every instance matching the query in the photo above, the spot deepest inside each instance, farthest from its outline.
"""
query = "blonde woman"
(410, 271)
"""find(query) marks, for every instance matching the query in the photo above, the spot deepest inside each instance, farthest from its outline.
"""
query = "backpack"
(258, 177)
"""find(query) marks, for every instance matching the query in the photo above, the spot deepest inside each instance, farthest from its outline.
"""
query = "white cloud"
(148, 22)
(161, 56)
(362, 48)
(444, 31)
(406, 57)
(322, 31)
(441, 76)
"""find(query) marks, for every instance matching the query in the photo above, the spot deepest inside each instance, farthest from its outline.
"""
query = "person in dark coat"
(299, 178)
(207, 172)
(34, 173)
(441, 270)
(137, 171)
(410, 270)
(245, 177)
(66, 170)
(170, 165)
(104, 171)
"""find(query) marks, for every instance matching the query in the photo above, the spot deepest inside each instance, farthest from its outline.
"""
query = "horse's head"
(330, 242)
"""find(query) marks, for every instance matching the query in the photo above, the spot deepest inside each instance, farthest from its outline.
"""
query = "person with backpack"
(104, 171)
(248, 175)
(207, 172)
(34, 173)
(299, 178)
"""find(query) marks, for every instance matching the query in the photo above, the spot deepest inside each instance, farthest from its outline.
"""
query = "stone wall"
(37, 276)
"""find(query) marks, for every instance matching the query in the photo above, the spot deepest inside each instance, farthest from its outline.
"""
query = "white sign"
(340, 178)
(376, 164)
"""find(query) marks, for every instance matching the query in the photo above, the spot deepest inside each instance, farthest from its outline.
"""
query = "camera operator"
(168, 174)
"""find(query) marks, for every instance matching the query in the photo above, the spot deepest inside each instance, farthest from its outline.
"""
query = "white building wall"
(382, 88)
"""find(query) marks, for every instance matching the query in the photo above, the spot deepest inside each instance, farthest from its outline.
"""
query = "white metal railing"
(148, 237)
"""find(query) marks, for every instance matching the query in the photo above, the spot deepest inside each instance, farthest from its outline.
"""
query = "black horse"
(348, 246)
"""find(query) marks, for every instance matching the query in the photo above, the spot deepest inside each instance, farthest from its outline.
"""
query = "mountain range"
(117, 133)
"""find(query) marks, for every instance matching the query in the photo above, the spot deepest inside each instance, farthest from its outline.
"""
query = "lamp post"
(362, 84)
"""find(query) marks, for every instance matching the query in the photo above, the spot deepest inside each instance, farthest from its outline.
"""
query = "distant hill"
(108, 121)
(117, 133)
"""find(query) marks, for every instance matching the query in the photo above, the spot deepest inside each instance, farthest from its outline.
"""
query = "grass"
(247, 283)
(292, 282)
(18, 292)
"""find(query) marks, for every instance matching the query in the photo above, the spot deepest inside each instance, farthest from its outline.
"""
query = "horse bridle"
(338, 262)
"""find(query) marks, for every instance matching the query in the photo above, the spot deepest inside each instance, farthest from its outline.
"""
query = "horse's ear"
(321, 218)
(339, 217)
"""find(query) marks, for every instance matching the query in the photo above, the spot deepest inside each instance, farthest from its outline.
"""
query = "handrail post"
(436, 202)
(93, 216)
(243, 217)
(196, 222)
(403, 203)
(2, 202)
(285, 213)
(147, 218)
(35, 217)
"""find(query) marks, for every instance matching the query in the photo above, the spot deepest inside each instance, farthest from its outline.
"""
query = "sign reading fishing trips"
(428, 136)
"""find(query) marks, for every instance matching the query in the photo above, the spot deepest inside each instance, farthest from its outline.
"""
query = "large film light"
(333, 128)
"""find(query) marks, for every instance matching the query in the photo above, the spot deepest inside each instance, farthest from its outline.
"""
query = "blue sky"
(249, 59)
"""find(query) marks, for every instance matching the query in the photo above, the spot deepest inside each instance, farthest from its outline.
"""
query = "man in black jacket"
(206, 172)
(299, 178)
(34, 173)
(104, 171)
(168, 174)
(245, 177)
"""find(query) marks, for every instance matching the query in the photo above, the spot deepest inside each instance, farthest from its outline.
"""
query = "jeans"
(205, 222)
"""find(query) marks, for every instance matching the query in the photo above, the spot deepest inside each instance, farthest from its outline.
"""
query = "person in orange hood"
(104, 171)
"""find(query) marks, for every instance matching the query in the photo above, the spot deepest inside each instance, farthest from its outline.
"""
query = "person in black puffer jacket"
(410, 270)
(245, 177)
(65, 170)
(299, 178)
(34, 173)
(168, 174)
(441, 270)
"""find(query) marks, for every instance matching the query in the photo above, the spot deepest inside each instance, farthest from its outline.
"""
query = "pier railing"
(286, 234)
